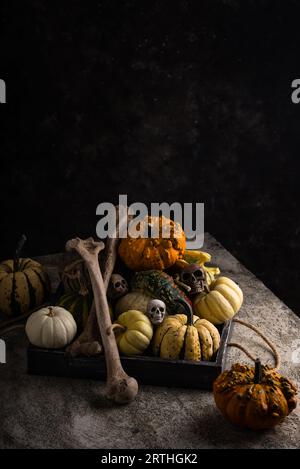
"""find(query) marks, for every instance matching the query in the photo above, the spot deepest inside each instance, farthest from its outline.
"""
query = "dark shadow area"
(164, 101)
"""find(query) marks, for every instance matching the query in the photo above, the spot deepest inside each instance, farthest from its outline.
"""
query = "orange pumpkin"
(256, 398)
(157, 253)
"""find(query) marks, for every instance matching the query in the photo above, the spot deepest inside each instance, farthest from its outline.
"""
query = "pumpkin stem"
(51, 312)
(187, 311)
(18, 250)
(115, 326)
(181, 284)
(257, 371)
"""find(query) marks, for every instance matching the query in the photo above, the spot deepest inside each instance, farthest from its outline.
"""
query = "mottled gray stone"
(44, 412)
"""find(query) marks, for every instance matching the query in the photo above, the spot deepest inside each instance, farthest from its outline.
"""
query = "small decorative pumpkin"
(159, 253)
(24, 285)
(222, 301)
(192, 256)
(160, 285)
(75, 278)
(51, 327)
(186, 336)
(78, 305)
(134, 300)
(256, 398)
(133, 332)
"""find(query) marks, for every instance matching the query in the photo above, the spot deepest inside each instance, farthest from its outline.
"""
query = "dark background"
(161, 100)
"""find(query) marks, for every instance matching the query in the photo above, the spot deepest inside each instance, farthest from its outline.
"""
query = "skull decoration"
(193, 276)
(117, 287)
(156, 311)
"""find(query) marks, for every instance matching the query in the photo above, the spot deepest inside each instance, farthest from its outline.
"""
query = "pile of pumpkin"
(169, 305)
(174, 301)
(170, 301)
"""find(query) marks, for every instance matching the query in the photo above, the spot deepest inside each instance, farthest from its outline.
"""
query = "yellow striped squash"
(22, 287)
(79, 306)
(186, 337)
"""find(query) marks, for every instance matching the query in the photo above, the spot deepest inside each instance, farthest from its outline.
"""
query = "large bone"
(121, 388)
(89, 341)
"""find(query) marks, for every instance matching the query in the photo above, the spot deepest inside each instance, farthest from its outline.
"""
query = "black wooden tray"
(146, 369)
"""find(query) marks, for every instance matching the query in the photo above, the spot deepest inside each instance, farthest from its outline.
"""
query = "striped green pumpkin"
(78, 305)
(22, 289)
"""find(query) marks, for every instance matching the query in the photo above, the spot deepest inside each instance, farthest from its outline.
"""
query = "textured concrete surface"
(43, 412)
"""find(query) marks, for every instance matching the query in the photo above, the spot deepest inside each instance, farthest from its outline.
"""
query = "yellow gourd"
(133, 331)
(222, 301)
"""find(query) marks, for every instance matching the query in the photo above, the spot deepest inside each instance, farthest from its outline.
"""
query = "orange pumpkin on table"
(256, 398)
(161, 252)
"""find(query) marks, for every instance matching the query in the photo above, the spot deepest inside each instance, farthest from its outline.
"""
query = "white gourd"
(51, 327)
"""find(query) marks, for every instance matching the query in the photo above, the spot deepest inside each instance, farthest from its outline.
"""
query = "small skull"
(118, 287)
(156, 311)
(193, 275)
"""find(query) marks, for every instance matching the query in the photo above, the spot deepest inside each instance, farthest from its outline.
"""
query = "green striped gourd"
(79, 306)
(24, 285)
(160, 285)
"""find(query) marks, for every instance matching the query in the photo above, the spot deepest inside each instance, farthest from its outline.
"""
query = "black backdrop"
(164, 101)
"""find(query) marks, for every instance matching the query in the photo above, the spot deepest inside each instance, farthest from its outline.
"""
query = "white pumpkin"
(135, 300)
(51, 327)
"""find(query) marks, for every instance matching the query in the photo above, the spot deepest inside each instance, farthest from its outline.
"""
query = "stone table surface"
(47, 412)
